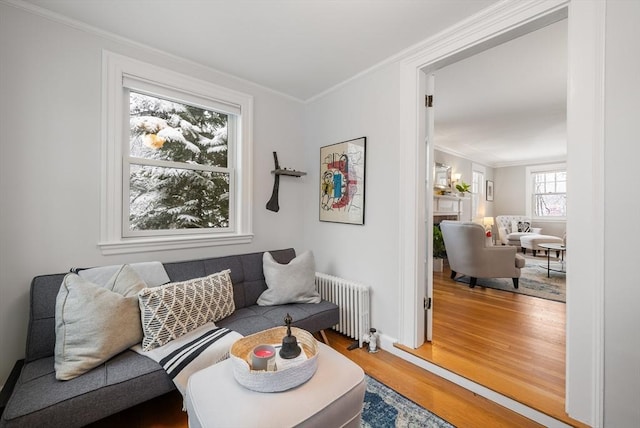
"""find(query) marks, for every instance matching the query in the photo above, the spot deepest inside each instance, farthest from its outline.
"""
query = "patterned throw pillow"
(524, 226)
(171, 310)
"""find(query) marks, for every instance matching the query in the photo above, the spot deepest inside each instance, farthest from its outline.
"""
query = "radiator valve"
(372, 339)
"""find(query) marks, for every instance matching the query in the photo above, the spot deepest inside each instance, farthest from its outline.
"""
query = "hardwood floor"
(511, 343)
(447, 400)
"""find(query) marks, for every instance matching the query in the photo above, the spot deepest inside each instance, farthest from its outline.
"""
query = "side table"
(561, 248)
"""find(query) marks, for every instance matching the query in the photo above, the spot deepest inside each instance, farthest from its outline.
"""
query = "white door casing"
(494, 25)
(428, 191)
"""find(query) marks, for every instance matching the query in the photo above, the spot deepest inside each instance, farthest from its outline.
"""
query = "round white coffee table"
(560, 248)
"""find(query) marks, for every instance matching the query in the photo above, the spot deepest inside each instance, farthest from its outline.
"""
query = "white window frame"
(478, 206)
(117, 70)
(529, 171)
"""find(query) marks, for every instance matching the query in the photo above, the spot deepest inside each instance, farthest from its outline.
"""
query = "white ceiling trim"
(491, 13)
(90, 29)
(540, 161)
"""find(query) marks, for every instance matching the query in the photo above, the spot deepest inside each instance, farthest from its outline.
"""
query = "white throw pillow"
(293, 282)
(174, 309)
(94, 323)
(152, 273)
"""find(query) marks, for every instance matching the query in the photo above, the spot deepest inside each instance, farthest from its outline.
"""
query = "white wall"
(369, 253)
(622, 231)
(49, 179)
(510, 198)
(464, 167)
(50, 113)
(365, 107)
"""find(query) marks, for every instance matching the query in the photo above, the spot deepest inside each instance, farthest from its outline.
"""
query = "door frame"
(494, 25)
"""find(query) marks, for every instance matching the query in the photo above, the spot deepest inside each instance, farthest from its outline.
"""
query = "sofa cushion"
(293, 282)
(94, 323)
(123, 381)
(311, 317)
(173, 309)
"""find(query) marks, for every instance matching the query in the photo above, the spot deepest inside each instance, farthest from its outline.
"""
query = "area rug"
(383, 407)
(533, 281)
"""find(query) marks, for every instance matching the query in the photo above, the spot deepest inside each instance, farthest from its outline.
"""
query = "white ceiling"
(298, 47)
(500, 107)
(506, 105)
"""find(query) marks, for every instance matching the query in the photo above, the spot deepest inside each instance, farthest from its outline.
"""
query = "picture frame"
(489, 192)
(342, 181)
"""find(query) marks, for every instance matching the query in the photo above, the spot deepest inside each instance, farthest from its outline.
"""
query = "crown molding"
(498, 164)
(95, 31)
(490, 15)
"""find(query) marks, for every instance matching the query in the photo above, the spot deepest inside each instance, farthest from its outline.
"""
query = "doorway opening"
(584, 370)
(480, 333)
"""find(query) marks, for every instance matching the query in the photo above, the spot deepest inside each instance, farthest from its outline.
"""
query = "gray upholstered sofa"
(39, 400)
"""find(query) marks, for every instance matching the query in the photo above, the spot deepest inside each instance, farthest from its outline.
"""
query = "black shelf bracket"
(272, 204)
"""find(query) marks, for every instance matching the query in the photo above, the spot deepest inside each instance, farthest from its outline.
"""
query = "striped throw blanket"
(191, 352)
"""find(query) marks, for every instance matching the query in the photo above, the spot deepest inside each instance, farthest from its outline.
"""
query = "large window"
(547, 192)
(177, 160)
(179, 174)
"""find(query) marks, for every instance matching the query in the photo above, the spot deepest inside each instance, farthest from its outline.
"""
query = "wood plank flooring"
(511, 343)
(447, 400)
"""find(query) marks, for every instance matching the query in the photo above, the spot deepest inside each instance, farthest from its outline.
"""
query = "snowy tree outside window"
(178, 165)
(176, 160)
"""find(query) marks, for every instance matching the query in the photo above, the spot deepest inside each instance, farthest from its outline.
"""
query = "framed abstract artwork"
(342, 180)
(489, 190)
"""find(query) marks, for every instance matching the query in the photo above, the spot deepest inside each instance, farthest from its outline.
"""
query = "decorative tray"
(297, 373)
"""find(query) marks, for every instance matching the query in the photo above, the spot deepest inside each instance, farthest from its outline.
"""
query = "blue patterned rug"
(385, 408)
(533, 281)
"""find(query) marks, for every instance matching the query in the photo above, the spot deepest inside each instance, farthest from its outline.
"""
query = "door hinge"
(427, 303)
(428, 100)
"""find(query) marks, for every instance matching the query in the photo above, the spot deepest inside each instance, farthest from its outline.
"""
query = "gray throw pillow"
(94, 323)
(293, 282)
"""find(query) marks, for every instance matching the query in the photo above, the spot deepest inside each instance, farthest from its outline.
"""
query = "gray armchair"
(469, 254)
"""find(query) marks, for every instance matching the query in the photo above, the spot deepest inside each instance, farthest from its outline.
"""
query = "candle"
(263, 357)
(264, 353)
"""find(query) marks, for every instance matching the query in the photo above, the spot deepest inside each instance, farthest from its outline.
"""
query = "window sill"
(141, 245)
(549, 220)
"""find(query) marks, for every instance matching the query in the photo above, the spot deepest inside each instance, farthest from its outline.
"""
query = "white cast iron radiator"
(353, 300)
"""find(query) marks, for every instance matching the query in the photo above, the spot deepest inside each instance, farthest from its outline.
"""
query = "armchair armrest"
(499, 262)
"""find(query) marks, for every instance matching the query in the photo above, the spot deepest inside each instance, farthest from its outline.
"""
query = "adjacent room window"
(177, 160)
(477, 193)
(547, 191)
